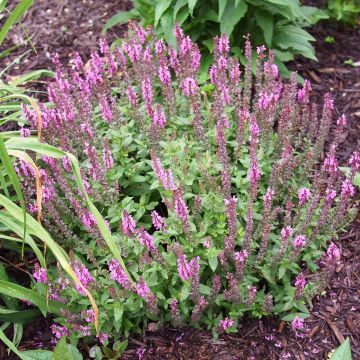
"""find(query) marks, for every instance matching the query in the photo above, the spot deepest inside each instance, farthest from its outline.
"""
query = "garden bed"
(335, 315)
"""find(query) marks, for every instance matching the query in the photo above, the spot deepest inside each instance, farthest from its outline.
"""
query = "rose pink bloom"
(222, 63)
(83, 275)
(287, 232)
(347, 189)
(254, 173)
(146, 239)
(24, 132)
(164, 75)
(40, 274)
(207, 242)
(354, 161)
(147, 56)
(88, 220)
(341, 121)
(185, 45)
(213, 74)
(298, 324)
(88, 315)
(299, 242)
(241, 256)
(141, 34)
(184, 268)
(159, 47)
(103, 338)
(226, 323)
(330, 195)
(128, 224)
(131, 95)
(269, 196)
(223, 44)
(304, 92)
(142, 289)
(59, 331)
(181, 208)
(330, 164)
(300, 281)
(303, 195)
(118, 274)
(157, 220)
(333, 254)
(189, 87)
(159, 118)
(264, 100)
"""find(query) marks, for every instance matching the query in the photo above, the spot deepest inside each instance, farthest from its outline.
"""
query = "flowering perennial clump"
(213, 190)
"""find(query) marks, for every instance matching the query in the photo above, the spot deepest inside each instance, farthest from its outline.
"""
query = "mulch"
(65, 26)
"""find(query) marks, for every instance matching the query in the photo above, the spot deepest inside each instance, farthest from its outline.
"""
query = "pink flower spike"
(128, 224)
(303, 195)
(226, 324)
(299, 242)
(40, 274)
(298, 324)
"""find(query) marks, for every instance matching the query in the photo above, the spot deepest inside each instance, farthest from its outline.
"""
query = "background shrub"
(278, 24)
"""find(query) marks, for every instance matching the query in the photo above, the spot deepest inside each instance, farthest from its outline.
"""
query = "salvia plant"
(216, 189)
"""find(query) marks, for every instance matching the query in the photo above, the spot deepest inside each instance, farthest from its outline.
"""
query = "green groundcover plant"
(215, 189)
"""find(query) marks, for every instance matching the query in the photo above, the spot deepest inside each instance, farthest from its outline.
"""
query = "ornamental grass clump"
(216, 189)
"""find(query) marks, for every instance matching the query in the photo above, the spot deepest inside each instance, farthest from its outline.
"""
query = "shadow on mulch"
(66, 26)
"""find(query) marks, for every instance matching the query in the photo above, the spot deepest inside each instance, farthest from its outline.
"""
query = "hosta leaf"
(266, 23)
(179, 4)
(191, 4)
(160, 8)
(222, 5)
(293, 37)
(232, 15)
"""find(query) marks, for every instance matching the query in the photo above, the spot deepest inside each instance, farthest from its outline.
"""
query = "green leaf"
(356, 180)
(22, 293)
(161, 7)
(314, 14)
(343, 352)
(290, 317)
(222, 5)
(293, 37)
(232, 15)
(14, 17)
(19, 317)
(11, 346)
(179, 4)
(191, 4)
(120, 346)
(213, 262)
(65, 351)
(266, 22)
(6, 161)
(121, 17)
(282, 271)
(38, 354)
